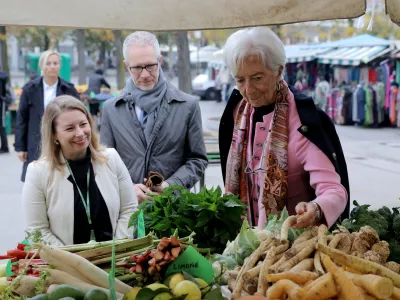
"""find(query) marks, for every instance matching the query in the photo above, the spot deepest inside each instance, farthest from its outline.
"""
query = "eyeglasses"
(149, 68)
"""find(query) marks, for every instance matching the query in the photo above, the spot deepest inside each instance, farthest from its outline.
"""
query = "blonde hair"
(44, 57)
(51, 151)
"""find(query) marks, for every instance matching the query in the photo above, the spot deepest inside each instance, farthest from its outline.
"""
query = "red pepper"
(17, 253)
(21, 246)
(5, 257)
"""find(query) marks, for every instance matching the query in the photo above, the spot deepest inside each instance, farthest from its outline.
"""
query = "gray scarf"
(148, 101)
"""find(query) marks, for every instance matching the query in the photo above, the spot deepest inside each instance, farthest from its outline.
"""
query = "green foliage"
(215, 218)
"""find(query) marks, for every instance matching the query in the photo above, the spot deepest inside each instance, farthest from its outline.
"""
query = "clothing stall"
(362, 76)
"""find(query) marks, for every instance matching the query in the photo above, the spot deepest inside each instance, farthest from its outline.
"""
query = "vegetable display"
(214, 217)
(386, 222)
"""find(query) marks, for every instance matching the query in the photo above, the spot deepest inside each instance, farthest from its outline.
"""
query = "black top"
(259, 113)
(98, 208)
(316, 127)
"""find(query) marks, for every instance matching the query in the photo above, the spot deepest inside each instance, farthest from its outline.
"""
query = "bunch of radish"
(152, 262)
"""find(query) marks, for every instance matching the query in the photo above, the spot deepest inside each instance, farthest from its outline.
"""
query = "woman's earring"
(56, 142)
(278, 86)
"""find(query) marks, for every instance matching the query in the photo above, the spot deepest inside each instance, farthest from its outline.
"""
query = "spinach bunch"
(214, 217)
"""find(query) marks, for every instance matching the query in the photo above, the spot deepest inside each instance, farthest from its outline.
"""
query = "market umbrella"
(176, 14)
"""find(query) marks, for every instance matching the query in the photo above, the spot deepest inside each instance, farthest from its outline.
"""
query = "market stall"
(199, 246)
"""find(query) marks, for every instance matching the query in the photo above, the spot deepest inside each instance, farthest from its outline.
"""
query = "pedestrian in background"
(36, 94)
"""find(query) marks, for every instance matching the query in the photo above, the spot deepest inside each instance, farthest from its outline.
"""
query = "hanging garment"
(355, 117)
(361, 99)
(364, 74)
(392, 107)
(368, 104)
(372, 76)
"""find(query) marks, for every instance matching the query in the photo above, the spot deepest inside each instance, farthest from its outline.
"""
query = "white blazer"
(48, 198)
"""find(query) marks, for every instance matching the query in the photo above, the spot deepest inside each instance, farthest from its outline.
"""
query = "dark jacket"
(29, 116)
(95, 83)
(6, 96)
(316, 126)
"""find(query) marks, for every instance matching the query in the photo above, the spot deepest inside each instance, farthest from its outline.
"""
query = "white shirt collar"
(46, 86)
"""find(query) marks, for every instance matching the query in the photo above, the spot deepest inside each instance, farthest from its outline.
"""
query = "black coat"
(29, 116)
(316, 126)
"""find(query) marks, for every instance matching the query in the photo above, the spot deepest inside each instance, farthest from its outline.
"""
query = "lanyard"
(86, 203)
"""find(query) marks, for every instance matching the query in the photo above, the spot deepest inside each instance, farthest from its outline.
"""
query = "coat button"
(255, 200)
(256, 158)
(257, 214)
(304, 128)
(259, 145)
(262, 128)
(334, 155)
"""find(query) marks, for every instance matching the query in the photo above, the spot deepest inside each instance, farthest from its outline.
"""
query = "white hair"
(141, 38)
(259, 41)
(44, 57)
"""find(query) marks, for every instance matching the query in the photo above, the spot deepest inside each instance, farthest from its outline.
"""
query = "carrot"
(347, 287)
(291, 253)
(380, 287)
(306, 235)
(360, 264)
(322, 232)
(60, 277)
(285, 286)
(304, 265)
(305, 253)
(253, 272)
(396, 293)
(289, 222)
(317, 264)
(250, 287)
(322, 288)
(250, 263)
(297, 277)
(365, 294)
(262, 280)
(83, 267)
(335, 241)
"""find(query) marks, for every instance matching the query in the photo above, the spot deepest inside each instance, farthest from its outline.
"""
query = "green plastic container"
(8, 123)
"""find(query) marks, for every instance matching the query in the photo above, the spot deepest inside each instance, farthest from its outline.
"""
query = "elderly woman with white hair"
(36, 94)
(277, 148)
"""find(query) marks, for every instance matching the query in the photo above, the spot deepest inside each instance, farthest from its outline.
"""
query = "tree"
(3, 51)
(81, 56)
(42, 37)
(184, 74)
(120, 67)
(101, 40)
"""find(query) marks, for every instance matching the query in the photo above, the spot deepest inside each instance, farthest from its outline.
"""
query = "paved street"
(373, 158)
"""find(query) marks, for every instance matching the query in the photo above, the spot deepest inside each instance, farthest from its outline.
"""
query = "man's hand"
(143, 192)
(160, 188)
(23, 156)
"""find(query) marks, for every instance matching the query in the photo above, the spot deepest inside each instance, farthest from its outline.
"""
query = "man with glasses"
(154, 126)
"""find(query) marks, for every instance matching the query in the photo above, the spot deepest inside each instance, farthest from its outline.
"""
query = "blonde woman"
(78, 190)
(36, 94)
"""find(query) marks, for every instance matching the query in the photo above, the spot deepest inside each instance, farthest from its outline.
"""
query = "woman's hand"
(308, 214)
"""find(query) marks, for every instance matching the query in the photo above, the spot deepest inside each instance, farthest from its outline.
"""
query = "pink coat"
(310, 172)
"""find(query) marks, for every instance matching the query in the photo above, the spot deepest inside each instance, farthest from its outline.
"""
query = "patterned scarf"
(275, 150)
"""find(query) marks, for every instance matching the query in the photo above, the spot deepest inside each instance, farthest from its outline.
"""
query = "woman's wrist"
(320, 213)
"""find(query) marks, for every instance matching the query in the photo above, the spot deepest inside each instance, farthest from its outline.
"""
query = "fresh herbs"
(214, 217)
